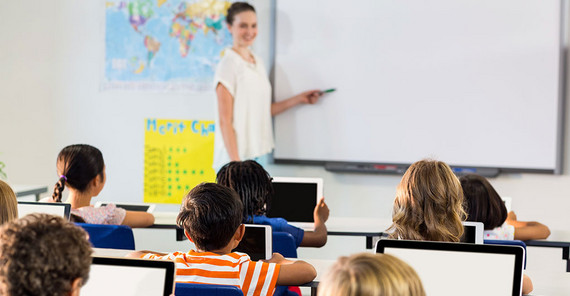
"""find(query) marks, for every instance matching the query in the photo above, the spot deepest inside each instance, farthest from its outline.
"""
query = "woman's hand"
(309, 97)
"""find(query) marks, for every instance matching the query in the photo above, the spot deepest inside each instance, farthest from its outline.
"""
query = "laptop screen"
(129, 277)
(294, 201)
(466, 270)
(57, 209)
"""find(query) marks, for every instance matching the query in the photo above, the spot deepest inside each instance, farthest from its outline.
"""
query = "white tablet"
(52, 208)
(129, 277)
(295, 200)
(136, 207)
(473, 232)
(257, 242)
(449, 269)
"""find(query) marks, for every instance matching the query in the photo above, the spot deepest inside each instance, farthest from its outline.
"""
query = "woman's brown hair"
(429, 204)
(8, 203)
(482, 202)
(368, 274)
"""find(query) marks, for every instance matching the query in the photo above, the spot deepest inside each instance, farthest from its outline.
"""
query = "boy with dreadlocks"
(253, 185)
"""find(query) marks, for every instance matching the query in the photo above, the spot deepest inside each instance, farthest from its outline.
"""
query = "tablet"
(129, 277)
(52, 208)
(257, 242)
(472, 232)
(447, 269)
(136, 207)
(295, 200)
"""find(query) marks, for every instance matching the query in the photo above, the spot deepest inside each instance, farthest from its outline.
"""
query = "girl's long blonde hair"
(8, 203)
(368, 274)
(429, 204)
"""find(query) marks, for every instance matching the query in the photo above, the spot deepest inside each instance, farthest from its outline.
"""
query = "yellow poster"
(178, 155)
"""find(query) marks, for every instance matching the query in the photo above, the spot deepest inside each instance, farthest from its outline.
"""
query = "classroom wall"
(52, 61)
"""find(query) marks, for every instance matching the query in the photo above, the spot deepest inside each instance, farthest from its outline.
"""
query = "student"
(428, 204)
(253, 185)
(211, 216)
(485, 205)
(8, 203)
(81, 168)
(368, 274)
(42, 254)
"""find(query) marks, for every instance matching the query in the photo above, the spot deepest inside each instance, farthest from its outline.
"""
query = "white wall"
(51, 58)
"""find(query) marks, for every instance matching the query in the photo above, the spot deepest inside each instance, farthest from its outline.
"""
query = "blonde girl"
(428, 204)
(368, 274)
(8, 203)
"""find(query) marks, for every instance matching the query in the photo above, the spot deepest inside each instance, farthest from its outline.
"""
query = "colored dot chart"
(178, 156)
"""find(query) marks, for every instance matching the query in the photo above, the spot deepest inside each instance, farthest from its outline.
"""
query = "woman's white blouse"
(251, 91)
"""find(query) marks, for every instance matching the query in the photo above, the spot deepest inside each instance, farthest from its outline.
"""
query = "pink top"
(503, 232)
(108, 214)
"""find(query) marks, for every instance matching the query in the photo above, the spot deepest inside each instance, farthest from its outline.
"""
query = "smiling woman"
(243, 124)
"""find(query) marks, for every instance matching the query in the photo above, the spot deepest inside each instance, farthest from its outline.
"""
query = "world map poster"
(164, 45)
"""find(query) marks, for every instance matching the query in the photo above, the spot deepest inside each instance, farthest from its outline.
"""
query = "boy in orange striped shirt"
(211, 216)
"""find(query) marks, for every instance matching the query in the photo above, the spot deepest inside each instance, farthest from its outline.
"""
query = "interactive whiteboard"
(472, 83)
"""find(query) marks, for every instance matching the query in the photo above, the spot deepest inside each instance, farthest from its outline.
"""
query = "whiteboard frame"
(351, 166)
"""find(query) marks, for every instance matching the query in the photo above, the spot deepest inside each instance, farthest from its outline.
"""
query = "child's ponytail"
(58, 189)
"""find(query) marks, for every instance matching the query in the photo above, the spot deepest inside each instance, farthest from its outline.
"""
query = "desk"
(339, 226)
(25, 190)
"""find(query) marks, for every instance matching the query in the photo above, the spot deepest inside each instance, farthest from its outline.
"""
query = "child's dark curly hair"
(43, 255)
(251, 182)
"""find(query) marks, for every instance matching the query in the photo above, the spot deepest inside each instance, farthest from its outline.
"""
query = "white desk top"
(334, 224)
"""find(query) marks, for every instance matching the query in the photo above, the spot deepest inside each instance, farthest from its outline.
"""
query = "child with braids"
(81, 169)
(253, 185)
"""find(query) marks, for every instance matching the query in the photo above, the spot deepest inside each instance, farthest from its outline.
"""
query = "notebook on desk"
(447, 269)
(136, 207)
(295, 200)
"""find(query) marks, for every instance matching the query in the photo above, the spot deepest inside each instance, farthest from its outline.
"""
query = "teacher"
(243, 124)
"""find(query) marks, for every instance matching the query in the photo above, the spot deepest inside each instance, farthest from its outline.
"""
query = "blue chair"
(109, 236)
(284, 244)
(507, 243)
(183, 289)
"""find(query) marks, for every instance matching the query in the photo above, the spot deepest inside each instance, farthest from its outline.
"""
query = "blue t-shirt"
(281, 225)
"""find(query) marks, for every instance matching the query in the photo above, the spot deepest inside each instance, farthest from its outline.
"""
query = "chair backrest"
(508, 243)
(183, 289)
(284, 244)
(110, 236)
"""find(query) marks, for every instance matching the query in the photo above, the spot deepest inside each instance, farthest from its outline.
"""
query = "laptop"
(295, 200)
(136, 207)
(129, 277)
(473, 232)
(57, 209)
(447, 269)
(257, 242)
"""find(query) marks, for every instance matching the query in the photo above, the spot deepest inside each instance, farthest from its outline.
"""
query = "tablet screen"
(295, 202)
(128, 277)
(254, 242)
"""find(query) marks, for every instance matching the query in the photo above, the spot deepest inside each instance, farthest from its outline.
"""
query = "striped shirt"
(234, 269)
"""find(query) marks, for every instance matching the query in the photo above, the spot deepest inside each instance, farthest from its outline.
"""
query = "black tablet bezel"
(169, 266)
(518, 251)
